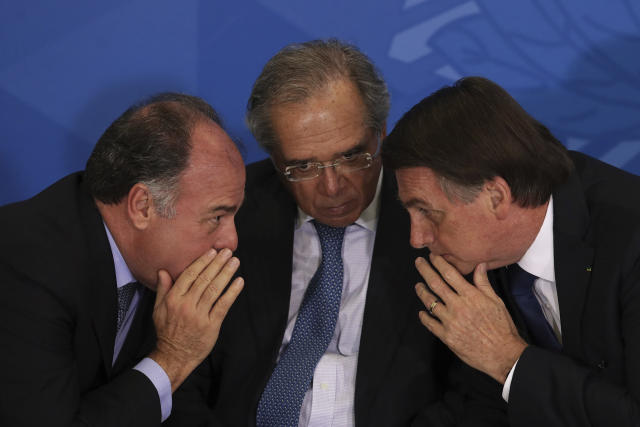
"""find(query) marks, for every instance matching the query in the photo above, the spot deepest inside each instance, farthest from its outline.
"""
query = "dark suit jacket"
(57, 319)
(401, 366)
(595, 381)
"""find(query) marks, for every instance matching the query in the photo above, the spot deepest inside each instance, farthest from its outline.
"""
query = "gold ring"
(433, 306)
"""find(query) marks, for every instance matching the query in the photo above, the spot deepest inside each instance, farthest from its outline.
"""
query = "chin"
(463, 268)
(343, 221)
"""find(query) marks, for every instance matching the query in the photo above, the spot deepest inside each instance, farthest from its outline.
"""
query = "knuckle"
(447, 276)
(189, 275)
(205, 278)
(211, 291)
(223, 305)
(171, 301)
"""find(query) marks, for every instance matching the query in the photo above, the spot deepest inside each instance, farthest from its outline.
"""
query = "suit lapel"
(141, 336)
(267, 269)
(573, 257)
(101, 293)
(572, 262)
(388, 301)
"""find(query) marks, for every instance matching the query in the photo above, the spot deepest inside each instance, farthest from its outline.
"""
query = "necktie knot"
(330, 237)
(125, 295)
(520, 281)
(521, 285)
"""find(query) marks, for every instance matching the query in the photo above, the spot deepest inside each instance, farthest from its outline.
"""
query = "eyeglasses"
(346, 164)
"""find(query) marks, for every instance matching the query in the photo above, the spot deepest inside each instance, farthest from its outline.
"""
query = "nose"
(330, 179)
(422, 234)
(227, 236)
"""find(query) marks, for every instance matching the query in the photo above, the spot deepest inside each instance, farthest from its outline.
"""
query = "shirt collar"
(123, 274)
(538, 260)
(368, 218)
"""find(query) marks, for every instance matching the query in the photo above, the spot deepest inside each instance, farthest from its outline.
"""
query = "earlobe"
(140, 206)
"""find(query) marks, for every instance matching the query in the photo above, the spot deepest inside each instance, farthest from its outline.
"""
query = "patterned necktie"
(282, 397)
(521, 284)
(125, 295)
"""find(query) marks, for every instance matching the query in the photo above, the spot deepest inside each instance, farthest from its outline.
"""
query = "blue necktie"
(282, 397)
(521, 284)
(125, 295)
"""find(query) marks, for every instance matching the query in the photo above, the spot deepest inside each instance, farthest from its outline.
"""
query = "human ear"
(499, 196)
(140, 207)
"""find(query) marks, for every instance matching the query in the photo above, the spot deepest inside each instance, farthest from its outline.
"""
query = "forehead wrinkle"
(361, 144)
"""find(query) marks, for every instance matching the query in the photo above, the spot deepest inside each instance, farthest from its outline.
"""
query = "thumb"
(162, 286)
(481, 280)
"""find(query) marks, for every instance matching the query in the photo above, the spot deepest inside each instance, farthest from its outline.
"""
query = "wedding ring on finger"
(432, 307)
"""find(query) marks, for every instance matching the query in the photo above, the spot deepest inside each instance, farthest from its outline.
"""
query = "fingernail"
(226, 252)
(234, 262)
(211, 252)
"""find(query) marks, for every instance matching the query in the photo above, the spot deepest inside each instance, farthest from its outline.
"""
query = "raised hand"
(188, 314)
(471, 320)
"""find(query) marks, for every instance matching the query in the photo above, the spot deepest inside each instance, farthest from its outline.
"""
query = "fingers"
(433, 279)
(433, 325)
(221, 307)
(191, 273)
(482, 281)
(162, 287)
(450, 274)
(209, 274)
(217, 279)
(433, 305)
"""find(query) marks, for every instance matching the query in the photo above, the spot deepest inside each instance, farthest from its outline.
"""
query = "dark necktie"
(521, 284)
(315, 325)
(125, 295)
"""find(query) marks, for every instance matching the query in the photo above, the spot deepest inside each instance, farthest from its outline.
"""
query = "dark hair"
(150, 143)
(298, 71)
(473, 131)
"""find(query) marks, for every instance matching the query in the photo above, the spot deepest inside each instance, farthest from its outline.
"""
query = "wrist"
(176, 368)
(510, 356)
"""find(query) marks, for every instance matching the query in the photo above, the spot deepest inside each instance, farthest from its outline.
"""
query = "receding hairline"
(173, 106)
(212, 137)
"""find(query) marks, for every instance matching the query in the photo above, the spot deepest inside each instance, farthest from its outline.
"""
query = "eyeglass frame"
(334, 164)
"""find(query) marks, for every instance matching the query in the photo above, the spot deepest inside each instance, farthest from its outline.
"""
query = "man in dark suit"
(79, 345)
(488, 188)
(319, 109)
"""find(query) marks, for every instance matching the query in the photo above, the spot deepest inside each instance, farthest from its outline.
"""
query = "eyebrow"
(224, 208)
(415, 202)
(359, 147)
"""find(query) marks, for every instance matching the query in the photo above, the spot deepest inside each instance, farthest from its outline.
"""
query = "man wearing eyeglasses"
(326, 331)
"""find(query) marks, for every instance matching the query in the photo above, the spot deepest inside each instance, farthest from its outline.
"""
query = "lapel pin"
(589, 269)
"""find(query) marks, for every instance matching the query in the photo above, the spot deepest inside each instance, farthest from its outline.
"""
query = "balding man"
(151, 217)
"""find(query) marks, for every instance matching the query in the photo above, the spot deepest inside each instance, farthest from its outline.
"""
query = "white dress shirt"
(538, 260)
(329, 402)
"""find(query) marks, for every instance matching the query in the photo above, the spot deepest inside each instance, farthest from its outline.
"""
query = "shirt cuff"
(507, 384)
(160, 380)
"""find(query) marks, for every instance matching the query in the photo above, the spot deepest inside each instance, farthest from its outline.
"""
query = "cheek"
(466, 238)
(183, 249)
(304, 192)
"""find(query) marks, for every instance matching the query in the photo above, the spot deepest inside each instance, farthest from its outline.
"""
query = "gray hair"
(150, 143)
(457, 192)
(298, 71)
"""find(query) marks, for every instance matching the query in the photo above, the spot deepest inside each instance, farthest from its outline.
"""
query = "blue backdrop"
(69, 68)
